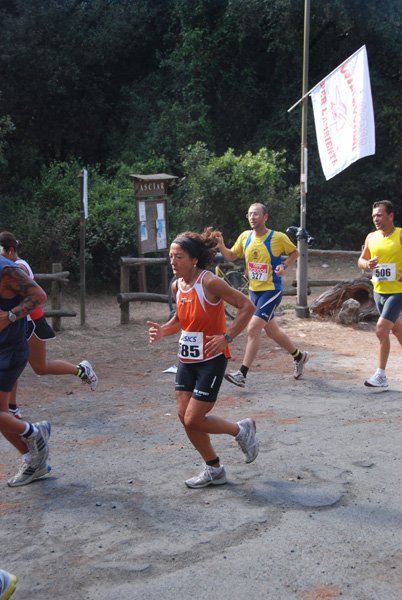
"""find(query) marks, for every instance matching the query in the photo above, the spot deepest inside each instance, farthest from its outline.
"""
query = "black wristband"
(227, 337)
(285, 266)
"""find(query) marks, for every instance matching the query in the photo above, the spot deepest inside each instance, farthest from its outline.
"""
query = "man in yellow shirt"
(382, 253)
(262, 248)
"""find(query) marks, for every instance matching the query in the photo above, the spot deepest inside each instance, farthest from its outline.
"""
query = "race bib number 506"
(191, 345)
(384, 272)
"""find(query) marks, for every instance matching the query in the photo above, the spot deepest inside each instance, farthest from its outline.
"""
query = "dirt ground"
(315, 517)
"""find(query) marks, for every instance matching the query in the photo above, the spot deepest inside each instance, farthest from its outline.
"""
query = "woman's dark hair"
(199, 245)
(8, 240)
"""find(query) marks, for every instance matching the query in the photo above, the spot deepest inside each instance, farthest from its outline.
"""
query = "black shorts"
(41, 329)
(204, 378)
(12, 362)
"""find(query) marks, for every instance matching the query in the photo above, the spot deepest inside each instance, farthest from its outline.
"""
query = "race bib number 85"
(384, 272)
(191, 345)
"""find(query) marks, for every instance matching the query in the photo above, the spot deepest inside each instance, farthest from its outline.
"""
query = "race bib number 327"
(258, 271)
(191, 345)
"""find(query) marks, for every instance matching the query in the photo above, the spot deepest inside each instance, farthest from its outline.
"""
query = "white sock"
(35, 430)
(241, 432)
(381, 372)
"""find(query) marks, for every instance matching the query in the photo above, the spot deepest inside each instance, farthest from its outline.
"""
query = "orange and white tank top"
(199, 318)
(38, 312)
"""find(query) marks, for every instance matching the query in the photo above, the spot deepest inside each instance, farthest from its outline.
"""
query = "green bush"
(217, 190)
(48, 222)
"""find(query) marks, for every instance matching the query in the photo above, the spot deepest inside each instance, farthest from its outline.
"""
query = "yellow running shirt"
(263, 255)
(389, 251)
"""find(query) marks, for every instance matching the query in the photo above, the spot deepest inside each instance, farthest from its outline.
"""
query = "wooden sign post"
(152, 220)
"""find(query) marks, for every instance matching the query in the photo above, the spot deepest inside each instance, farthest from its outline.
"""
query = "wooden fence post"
(56, 297)
(124, 288)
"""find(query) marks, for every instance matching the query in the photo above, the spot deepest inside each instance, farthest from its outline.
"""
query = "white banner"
(85, 193)
(344, 116)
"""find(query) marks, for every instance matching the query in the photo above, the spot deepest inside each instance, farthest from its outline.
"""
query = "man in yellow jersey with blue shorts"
(382, 253)
(262, 248)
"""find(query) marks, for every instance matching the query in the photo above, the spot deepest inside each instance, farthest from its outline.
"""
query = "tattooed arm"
(14, 282)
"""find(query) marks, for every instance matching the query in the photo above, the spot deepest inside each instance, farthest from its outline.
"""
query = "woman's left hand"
(215, 344)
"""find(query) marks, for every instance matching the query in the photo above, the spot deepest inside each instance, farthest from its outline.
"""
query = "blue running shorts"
(12, 362)
(265, 303)
(389, 306)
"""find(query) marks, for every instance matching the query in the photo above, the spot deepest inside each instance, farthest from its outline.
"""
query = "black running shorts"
(41, 329)
(204, 378)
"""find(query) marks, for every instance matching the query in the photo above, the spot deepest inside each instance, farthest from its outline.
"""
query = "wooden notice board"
(152, 219)
(151, 210)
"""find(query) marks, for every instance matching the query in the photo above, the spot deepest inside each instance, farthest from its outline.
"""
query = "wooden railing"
(125, 296)
(57, 278)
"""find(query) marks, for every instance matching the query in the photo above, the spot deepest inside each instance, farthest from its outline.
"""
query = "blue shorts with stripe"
(266, 302)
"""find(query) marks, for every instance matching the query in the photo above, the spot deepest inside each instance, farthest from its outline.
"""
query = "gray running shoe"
(88, 375)
(7, 584)
(28, 473)
(377, 380)
(247, 440)
(38, 446)
(299, 365)
(208, 476)
(236, 377)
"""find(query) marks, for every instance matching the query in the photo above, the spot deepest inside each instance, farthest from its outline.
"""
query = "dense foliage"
(196, 88)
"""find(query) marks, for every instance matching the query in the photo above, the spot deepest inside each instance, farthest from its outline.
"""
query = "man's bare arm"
(14, 282)
(365, 260)
(227, 254)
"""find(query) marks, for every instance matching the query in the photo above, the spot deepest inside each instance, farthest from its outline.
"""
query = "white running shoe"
(42, 471)
(28, 473)
(236, 377)
(7, 584)
(16, 412)
(88, 375)
(247, 440)
(44, 427)
(377, 380)
(299, 365)
(38, 447)
(209, 476)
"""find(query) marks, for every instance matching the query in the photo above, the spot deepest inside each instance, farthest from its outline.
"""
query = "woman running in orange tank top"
(204, 350)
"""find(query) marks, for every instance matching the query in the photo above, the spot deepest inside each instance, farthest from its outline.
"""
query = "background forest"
(199, 89)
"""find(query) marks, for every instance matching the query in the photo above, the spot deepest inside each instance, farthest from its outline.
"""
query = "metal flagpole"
(82, 248)
(302, 309)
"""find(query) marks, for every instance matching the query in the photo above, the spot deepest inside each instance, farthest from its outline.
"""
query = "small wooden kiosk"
(152, 220)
